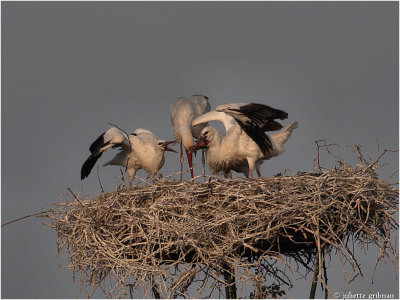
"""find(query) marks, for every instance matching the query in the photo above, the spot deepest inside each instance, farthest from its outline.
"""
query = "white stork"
(245, 145)
(139, 150)
(183, 111)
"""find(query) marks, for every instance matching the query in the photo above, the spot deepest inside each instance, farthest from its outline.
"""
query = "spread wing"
(255, 119)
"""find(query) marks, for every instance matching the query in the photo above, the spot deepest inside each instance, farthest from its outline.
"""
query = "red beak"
(168, 148)
(201, 144)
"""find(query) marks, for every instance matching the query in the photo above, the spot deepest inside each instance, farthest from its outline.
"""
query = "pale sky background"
(68, 69)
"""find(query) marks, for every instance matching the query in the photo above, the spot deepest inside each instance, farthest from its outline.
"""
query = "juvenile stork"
(245, 145)
(139, 150)
(183, 111)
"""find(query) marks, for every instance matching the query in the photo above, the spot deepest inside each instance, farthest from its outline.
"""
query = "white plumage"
(183, 111)
(245, 145)
(139, 150)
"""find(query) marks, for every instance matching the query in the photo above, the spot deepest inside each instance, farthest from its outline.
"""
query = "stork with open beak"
(245, 145)
(139, 150)
(183, 111)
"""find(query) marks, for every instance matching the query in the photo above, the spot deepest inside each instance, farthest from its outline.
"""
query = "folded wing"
(112, 137)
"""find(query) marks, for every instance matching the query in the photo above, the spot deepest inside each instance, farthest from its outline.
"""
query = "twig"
(31, 215)
(98, 177)
(315, 276)
(123, 177)
(229, 277)
(325, 275)
(326, 146)
(380, 156)
(155, 288)
(73, 195)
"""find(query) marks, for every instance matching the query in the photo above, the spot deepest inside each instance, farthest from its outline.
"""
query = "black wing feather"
(115, 146)
(89, 164)
(263, 116)
(264, 111)
(95, 149)
(272, 126)
(255, 119)
(258, 136)
(97, 144)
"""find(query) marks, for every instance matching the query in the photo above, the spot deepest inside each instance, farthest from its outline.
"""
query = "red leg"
(181, 161)
(181, 154)
(189, 157)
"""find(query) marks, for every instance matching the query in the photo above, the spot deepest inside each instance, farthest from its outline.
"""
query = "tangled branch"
(172, 235)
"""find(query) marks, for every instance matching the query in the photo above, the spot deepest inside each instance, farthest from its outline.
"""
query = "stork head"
(206, 136)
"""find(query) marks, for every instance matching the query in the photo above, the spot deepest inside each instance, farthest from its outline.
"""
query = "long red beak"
(189, 157)
(167, 148)
(201, 144)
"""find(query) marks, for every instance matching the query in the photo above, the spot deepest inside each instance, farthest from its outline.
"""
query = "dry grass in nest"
(164, 237)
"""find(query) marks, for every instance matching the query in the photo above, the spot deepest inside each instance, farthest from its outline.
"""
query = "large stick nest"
(166, 236)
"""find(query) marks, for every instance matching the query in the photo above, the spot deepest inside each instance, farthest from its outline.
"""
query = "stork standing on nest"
(183, 111)
(245, 145)
(139, 150)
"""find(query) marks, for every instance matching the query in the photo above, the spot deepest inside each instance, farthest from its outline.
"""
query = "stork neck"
(187, 138)
(216, 141)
